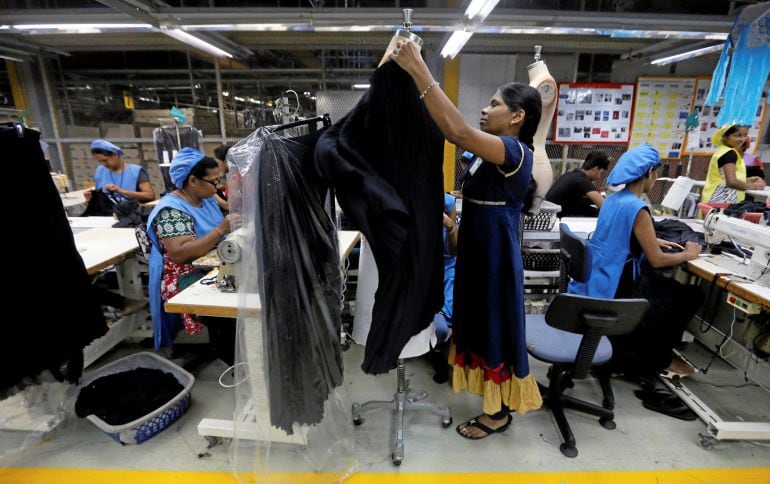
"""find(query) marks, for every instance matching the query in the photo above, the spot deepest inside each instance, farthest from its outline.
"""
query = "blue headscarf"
(103, 144)
(183, 163)
(634, 164)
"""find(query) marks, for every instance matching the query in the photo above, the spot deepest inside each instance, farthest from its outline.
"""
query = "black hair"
(201, 169)
(732, 129)
(525, 97)
(596, 159)
(220, 152)
(103, 152)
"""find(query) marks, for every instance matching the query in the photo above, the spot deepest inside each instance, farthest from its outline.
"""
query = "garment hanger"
(326, 119)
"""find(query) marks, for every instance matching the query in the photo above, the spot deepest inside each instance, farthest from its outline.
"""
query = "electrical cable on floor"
(232, 368)
(728, 336)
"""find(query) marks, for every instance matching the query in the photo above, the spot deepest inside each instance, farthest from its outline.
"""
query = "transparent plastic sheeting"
(28, 415)
(293, 413)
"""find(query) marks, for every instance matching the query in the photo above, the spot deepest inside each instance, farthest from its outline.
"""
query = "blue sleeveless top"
(611, 246)
(128, 179)
(206, 217)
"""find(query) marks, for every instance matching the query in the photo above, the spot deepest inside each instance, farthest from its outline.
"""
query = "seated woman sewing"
(186, 224)
(626, 254)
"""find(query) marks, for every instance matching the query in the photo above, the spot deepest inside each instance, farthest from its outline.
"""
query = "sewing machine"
(719, 227)
(229, 253)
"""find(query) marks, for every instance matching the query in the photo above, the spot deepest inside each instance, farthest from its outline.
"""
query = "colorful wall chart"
(707, 124)
(594, 113)
(660, 112)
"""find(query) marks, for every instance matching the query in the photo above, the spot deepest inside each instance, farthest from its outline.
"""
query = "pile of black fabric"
(66, 317)
(126, 396)
(676, 231)
(738, 209)
(384, 159)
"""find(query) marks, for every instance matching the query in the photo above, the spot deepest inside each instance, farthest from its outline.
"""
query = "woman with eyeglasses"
(186, 224)
(116, 178)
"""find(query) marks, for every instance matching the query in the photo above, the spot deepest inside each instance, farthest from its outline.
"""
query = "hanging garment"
(67, 317)
(384, 160)
(610, 245)
(169, 140)
(743, 67)
(165, 325)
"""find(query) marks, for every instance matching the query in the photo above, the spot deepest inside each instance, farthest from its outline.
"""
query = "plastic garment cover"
(46, 345)
(384, 159)
(740, 77)
(169, 140)
(288, 358)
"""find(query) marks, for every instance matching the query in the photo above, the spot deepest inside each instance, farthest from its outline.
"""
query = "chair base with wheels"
(403, 400)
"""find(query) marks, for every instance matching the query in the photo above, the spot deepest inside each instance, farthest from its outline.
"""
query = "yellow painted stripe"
(18, 88)
(452, 89)
(759, 475)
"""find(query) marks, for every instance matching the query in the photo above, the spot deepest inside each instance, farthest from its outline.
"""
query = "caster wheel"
(396, 460)
(568, 450)
(358, 421)
(447, 423)
(707, 442)
(607, 423)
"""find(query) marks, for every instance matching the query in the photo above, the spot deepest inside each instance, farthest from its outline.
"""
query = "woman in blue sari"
(186, 224)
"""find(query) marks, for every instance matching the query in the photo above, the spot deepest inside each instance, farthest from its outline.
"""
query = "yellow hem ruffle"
(519, 394)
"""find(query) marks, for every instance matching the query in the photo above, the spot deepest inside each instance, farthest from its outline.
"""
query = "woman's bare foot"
(681, 367)
(473, 432)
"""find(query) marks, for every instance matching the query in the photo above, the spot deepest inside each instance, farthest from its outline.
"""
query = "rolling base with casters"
(403, 400)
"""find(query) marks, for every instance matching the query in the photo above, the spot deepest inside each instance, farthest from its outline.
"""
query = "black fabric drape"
(47, 269)
(676, 231)
(384, 159)
(298, 260)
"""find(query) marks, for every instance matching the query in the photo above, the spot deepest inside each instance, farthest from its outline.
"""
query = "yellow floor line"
(109, 476)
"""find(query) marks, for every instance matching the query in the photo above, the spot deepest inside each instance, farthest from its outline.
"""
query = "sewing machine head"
(229, 253)
(718, 227)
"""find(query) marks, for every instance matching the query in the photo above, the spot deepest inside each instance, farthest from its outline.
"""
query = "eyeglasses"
(212, 183)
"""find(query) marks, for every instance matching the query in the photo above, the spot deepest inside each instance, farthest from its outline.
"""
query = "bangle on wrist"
(427, 89)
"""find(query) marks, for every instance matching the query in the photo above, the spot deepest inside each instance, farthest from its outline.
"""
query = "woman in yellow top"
(726, 177)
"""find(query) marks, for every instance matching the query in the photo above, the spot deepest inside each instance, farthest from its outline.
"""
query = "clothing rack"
(326, 119)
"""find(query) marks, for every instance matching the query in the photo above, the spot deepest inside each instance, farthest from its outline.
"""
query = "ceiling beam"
(132, 8)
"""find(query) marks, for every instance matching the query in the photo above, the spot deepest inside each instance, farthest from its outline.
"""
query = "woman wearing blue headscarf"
(623, 240)
(116, 178)
(186, 224)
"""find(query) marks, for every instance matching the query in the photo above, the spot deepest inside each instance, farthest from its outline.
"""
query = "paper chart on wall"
(660, 112)
(595, 113)
(707, 124)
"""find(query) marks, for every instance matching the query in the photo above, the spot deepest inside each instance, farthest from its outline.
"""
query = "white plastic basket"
(148, 426)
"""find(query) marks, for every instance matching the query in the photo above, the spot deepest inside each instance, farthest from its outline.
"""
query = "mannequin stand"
(403, 400)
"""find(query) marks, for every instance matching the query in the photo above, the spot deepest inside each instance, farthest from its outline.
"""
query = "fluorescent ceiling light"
(687, 55)
(243, 100)
(194, 41)
(16, 59)
(79, 28)
(455, 43)
(479, 9)
(361, 86)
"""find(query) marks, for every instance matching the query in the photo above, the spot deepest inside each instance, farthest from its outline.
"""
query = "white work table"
(103, 247)
(207, 300)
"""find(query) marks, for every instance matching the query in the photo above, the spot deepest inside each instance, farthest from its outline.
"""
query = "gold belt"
(483, 202)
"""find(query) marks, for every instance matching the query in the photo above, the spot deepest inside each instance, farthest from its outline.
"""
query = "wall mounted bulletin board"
(594, 113)
(707, 124)
(661, 108)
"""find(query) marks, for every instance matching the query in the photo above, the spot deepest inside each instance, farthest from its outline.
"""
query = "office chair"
(572, 337)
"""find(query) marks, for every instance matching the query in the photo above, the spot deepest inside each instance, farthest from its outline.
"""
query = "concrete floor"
(643, 440)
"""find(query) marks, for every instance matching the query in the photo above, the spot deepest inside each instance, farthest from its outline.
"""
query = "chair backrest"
(575, 258)
(593, 318)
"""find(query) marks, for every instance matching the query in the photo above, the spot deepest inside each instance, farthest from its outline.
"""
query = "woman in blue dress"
(117, 179)
(489, 353)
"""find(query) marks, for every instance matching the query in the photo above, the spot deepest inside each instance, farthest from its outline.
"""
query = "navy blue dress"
(490, 356)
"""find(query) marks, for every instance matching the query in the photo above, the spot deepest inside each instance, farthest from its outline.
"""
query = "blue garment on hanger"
(740, 77)
(611, 245)
(165, 326)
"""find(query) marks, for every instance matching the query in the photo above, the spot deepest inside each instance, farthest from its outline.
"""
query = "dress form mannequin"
(541, 79)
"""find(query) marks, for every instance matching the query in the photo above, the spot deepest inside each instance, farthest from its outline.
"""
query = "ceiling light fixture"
(479, 9)
(10, 58)
(361, 86)
(194, 41)
(78, 28)
(687, 55)
(455, 43)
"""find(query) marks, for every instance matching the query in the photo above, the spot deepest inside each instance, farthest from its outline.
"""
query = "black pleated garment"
(300, 286)
(46, 269)
(384, 159)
